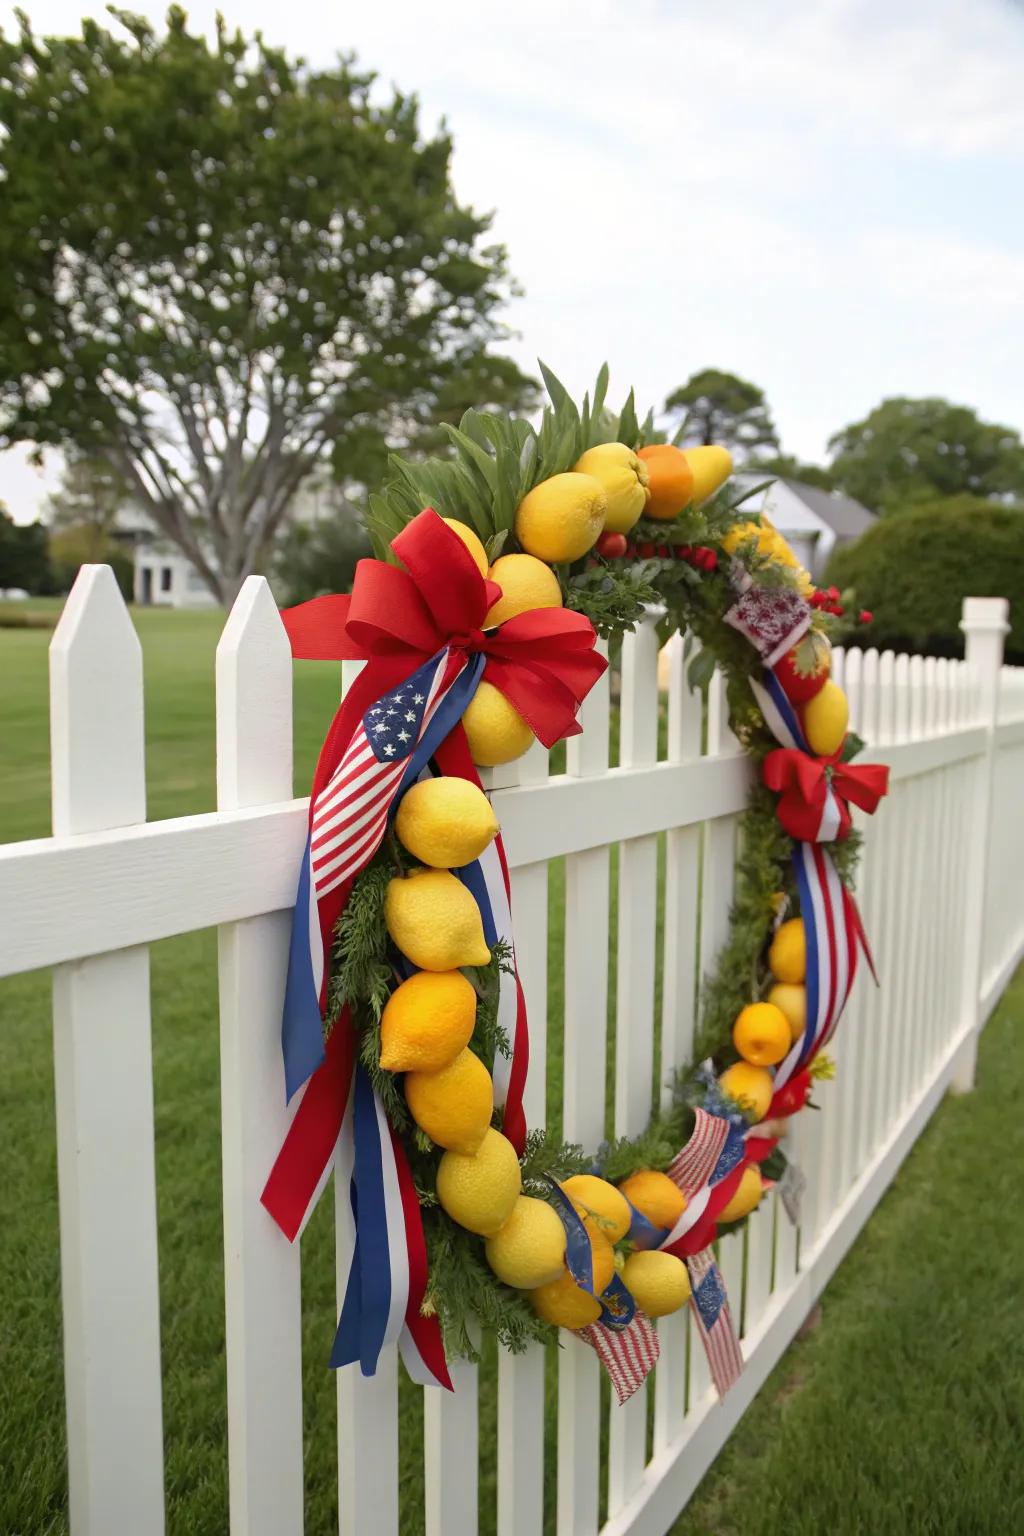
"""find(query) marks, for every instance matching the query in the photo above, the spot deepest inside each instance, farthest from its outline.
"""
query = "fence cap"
(989, 614)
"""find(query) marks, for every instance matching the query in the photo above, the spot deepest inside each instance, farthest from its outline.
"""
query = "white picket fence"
(943, 898)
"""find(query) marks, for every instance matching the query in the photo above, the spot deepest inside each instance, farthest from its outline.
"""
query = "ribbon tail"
(853, 912)
(306, 1154)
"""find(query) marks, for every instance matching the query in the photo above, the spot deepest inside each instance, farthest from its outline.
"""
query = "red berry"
(664, 551)
(646, 550)
(680, 551)
(710, 560)
(611, 545)
(866, 616)
(833, 593)
(791, 1097)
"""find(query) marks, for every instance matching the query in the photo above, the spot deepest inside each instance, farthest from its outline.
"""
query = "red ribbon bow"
(805, 783)
(544, 661)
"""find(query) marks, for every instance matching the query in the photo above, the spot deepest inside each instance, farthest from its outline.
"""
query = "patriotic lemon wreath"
(405, 1032)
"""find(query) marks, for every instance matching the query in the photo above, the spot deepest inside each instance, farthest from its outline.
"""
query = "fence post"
(103, 1078)
(263, 1303)
(984, 623)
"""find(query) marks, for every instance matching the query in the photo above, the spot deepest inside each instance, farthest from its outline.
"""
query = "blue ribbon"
(367, 1304)
(617, 1305)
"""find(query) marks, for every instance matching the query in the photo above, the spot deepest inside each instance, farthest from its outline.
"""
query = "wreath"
(405, 1033)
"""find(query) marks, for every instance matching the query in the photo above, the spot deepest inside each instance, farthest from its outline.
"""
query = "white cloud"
(821, 196)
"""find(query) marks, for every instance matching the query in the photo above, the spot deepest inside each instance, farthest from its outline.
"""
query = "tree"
(718, 407)
(311, 560)
(914, 571)
(24, 558)
(90, 496)
(907, 451)
(219, 266)
(785, 467)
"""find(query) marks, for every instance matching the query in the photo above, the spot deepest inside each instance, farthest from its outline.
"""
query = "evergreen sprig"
(467, 1296)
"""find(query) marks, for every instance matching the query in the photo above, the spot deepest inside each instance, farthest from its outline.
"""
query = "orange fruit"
(669, 480)
(761, 1034)
(563, 1303)
(748, 1086)
(655, 1196)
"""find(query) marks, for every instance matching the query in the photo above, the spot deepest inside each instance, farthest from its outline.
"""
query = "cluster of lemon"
(561, 520)
(763, 1034)
(426, 1029)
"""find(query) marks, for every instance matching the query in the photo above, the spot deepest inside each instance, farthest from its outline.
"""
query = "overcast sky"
(825, 196)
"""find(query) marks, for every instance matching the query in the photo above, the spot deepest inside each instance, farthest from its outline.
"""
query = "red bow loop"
(543, 661)
(806, 784)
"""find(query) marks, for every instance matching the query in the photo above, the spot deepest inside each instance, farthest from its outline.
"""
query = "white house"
(813, 522)
(166, 578)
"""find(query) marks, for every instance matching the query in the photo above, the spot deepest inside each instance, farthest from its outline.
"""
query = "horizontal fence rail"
(622, 875)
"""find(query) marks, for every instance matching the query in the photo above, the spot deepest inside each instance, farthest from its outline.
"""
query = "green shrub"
(914, 569)
(311, 560)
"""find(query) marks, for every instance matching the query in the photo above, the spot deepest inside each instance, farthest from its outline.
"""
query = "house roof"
(847, 518)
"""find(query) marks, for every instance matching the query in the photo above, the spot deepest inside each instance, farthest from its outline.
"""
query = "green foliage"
(220, 266)
(362, 974)
(783, 466)
(469, 1298)
(496, 460)
(489, 1037)
(24, 557)
(613, 597)
(914, 570)
(544, 1157)
(910, 451)
(312, 560)
(718, 407)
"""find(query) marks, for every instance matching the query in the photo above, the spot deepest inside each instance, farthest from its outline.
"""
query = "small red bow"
(816, 792)
(544, 661)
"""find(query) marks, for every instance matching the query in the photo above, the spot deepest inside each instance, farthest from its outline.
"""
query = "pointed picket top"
(254, 702)
(97, 728)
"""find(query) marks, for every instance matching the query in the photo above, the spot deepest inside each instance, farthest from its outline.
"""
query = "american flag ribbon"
(693, 1165)
(710, 1306)
(391, 745)
(628, 1354)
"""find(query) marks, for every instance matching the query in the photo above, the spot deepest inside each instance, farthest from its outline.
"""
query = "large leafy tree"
(91, 495)
(908, 451)
(219, 266)
(717, 407)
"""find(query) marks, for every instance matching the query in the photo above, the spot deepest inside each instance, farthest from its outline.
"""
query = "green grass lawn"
(901, 1412)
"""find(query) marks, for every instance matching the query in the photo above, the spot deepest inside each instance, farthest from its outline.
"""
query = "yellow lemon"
(530, 1248)
(561, 518)
(825, 719)
(791, 999)
(624, 476)
(453, 1105)
(748, 1086)
(748, 1193)
(655, 1196)
(497, 733)
(426, 1022)
(472, 543)
(761, 1034)
(526, 583)
(563, 1303)
(479, 1189)
(787, 956)
(600, 1204)
(434, 921)
(658, 1282)
(711, 467)
(445, 822)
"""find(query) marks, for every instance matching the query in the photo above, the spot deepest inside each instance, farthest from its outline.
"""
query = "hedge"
(913, 570)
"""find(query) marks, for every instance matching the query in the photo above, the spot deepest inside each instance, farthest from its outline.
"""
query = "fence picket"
(583, 1109)
(521, 1377)
(682, 873)
(634, 1010)
(103, 1075)
(261, 1270)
